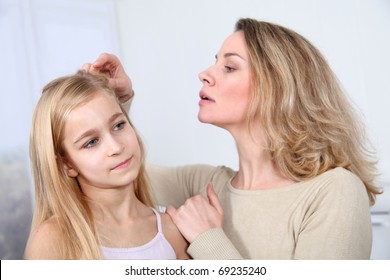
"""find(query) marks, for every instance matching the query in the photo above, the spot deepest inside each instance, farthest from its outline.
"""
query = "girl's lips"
(123, 164)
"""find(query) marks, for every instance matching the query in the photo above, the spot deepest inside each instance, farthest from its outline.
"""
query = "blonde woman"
(92, 199)
(306, 173)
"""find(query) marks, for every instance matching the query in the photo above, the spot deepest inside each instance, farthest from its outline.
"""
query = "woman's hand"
(197, 215)
(110, 66)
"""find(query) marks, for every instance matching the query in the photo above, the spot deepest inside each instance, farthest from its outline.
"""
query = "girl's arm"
(174, 237)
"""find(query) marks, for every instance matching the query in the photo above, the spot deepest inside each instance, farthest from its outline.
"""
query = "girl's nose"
(114, 146)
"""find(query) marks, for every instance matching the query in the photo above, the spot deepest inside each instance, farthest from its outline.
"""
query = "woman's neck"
(257, 170)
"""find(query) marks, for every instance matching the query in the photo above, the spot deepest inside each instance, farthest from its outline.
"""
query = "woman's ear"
(67, 166)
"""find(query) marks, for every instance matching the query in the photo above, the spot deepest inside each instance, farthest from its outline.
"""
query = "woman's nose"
(206, 78)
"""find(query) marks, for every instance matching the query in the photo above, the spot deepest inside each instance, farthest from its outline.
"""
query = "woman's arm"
(110, 66)
(201, 223)
(338, 223)
(213, 245)
(198, 220)
(174, 185)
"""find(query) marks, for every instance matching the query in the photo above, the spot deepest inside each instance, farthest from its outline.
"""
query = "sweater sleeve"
(338, 224)
(174, 185)
(213, 245)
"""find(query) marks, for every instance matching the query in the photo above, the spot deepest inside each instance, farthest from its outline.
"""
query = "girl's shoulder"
(167, 224)
(43, 241)
(174, 237)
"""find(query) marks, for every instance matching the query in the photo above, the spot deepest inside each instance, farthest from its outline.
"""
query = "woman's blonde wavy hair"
(56, 194)
(310, 125)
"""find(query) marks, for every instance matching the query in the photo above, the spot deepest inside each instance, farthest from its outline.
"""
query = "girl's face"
(101, 147)
(226, 91)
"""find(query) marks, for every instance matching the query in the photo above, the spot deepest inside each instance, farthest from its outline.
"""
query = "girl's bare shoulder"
(174, 237)
(43, 241)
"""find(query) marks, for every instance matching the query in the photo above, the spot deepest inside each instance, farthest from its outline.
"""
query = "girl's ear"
(70, 170)
(68, 167)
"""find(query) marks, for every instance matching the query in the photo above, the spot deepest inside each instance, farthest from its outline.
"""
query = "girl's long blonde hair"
(57, 195)
(310, 125)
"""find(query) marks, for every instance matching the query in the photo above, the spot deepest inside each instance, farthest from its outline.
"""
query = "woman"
(305, 178)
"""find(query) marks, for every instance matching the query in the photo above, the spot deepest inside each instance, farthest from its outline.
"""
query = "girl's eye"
(229, 69)
(119, 125)
(91, 143)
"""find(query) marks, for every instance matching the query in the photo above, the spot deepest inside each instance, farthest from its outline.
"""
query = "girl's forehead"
(97, 107)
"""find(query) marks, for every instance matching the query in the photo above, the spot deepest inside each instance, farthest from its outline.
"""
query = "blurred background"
(163, 45)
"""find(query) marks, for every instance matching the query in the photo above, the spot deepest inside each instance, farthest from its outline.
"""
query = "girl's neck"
(116, 204)
(128, 224)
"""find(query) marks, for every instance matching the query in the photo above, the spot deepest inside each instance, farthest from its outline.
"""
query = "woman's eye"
(91, 143)
(229, 69)
(119, 125)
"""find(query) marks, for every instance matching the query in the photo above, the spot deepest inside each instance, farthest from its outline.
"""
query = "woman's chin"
(204, 119)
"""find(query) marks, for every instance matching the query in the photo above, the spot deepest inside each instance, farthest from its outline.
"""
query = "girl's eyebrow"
(92, 131)
(114, 116)
(85, 134)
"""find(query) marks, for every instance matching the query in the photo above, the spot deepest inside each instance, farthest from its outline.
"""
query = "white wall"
(39, 41)
(166, 43)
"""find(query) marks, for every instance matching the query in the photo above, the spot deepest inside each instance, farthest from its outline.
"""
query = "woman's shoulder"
(339, 176)
(43, 241)
(340, 182)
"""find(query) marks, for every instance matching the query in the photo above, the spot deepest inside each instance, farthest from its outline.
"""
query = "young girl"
(92, 199)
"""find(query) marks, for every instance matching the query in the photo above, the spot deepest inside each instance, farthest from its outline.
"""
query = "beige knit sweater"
(327, 217)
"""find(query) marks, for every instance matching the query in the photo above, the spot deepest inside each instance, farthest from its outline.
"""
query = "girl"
(92, 198)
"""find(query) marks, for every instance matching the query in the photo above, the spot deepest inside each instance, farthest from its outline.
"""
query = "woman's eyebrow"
(229, 54)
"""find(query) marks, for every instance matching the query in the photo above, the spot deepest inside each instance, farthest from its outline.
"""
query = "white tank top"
(156, 249)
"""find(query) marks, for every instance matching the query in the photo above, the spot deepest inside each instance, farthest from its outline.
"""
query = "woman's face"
(226, 92)
(101, 147)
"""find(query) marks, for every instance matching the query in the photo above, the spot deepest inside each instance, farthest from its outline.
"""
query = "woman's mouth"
(204, 98)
